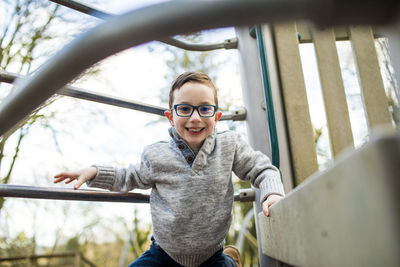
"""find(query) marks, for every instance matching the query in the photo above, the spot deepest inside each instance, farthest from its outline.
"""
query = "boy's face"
(194, 129)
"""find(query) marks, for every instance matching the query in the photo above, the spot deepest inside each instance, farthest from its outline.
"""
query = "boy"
(190, 177)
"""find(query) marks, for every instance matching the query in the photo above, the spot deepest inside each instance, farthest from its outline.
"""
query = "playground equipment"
(78, 259)
(348, 214)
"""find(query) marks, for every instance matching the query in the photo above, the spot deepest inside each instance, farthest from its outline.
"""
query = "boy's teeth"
(195, 130)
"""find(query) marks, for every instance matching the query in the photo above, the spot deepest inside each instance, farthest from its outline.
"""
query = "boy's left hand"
(271, 199)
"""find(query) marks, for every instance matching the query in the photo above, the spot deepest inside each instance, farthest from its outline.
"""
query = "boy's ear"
(168, 114)
(218, 115)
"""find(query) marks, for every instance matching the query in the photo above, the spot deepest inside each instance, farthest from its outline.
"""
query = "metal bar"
(270, 112)
(7, 77)
(243, 230)
(83, 8)
(227, 44)
(114, 101)
(235, 115)
(245, 195)
(22, 191)
(256, 124)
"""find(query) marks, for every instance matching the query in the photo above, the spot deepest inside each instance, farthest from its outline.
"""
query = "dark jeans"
(157, 257)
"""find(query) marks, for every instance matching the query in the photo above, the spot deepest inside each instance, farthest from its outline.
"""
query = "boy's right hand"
(82, 176)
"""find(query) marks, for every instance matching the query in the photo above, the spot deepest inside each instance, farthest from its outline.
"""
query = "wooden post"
(337, 113)
(300, 130)
(77, 259)
(370, 77)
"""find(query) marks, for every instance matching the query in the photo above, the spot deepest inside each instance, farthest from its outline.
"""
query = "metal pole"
(69, 194)
(21, 191)
(235, 115)
(75, 5)
(227, 44)
(243, 230)
(256, 123)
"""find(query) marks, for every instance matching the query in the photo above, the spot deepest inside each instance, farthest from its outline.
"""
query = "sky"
(89, 133)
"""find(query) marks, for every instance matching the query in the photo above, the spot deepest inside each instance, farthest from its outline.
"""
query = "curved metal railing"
(227, 44)
(165, 20)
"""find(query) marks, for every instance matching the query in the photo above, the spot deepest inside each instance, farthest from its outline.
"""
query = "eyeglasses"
(186, 110)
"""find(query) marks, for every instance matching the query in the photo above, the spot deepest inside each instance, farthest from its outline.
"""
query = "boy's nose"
(195, 115)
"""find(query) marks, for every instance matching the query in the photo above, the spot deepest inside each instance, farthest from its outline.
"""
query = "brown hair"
(194, 77)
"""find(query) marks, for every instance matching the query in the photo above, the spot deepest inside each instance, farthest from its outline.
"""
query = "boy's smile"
(194, 129)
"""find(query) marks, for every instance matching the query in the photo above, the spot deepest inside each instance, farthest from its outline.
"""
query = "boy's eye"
(185, 109)
(205, 109)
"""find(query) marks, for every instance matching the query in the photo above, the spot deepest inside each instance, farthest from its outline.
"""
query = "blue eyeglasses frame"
(193, 109)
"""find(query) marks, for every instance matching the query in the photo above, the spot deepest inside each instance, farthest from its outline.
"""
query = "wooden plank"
(348, 215)
(336, 110)
(304, 29)
(300, 130)
(370, 78)
(393, 34)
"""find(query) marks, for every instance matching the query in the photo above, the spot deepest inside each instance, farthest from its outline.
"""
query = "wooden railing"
(34, 260)
(349, 214)
(301, 136)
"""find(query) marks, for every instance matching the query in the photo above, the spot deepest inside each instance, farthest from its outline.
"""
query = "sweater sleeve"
(256, 167)
(123, 179)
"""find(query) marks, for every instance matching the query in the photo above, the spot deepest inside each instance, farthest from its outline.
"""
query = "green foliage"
(21, 245)
(140, 238)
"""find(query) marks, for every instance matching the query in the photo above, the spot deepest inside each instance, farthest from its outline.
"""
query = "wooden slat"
(337, 113)
(371, 83)
(295, 101)
(348, 215)
(341, 32)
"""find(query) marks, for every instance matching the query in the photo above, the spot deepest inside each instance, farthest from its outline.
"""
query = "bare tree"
(20, 38)
(29, 34)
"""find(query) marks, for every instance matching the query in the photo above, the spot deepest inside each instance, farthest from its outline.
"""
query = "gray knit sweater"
(192, 195)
